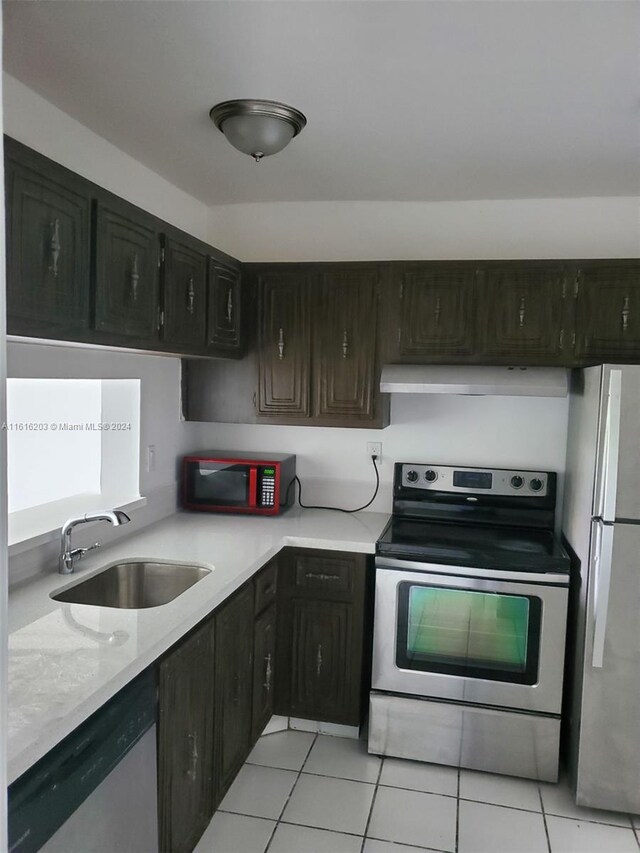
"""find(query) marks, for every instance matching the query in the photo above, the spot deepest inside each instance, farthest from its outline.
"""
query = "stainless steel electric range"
(470, 621)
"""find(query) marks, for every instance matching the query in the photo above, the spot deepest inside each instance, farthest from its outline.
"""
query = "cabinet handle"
(436, 311)
(625, 314)
(193, 758)
(345, 344)
(191, 296)
(281, 344)
(160, 321)
(267, 673)
(321, 577)
(521, 312)
(319, 660)
(135, 278)
(54, 247)
(229, 306)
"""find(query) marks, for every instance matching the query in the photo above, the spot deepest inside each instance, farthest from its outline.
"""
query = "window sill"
(33, 527)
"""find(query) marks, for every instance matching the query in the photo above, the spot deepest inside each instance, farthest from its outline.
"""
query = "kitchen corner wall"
(519, 432)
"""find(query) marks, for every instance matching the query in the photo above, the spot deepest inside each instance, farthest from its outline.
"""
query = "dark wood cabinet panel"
(321, 672)
(127, 281)
(320, 664)
(185, 275)
(48, 246)
(224, 317)
(264, 658)
(233, 687)
(284, 345)
(608, 312)
(185, 747)
(344, 354)
(524, 313)
(437, 312)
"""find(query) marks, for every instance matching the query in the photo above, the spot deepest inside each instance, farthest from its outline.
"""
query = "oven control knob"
(517, 482)
(430, 476)
(536, 484)
(412, 476)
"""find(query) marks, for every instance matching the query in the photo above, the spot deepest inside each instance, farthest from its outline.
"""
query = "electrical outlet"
(374, 448)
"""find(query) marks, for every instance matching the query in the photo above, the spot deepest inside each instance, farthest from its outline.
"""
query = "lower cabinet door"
(233, 687)
(185, 748)
(325, 673)
(264, 652)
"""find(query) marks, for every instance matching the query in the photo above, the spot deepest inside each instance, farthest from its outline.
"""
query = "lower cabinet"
(185, 741)
(264, 657)
(233, 687)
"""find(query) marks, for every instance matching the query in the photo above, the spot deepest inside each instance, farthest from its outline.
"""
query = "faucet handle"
(90, 548)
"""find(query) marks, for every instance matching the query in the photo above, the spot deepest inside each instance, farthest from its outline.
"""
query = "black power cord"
(296, 479)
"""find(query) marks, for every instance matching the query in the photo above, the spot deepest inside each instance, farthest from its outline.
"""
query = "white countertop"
(66, 660)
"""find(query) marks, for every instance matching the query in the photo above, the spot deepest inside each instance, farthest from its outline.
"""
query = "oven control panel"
(488, 481)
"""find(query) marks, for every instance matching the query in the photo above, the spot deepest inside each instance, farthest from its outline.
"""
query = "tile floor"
(307, 793)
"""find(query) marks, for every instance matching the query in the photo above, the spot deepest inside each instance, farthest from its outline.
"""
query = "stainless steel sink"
(133, 585)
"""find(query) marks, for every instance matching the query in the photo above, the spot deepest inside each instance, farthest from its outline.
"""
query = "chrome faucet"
(69, 556)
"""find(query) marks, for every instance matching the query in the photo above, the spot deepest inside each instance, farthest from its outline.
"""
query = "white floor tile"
(430, 778)
(336, 804)
(412, 817)
(493, 829)
(574, 836)
(500, 790)
(303, 839)
(259, 791)
(347, 759)
(284, 750)
(559, 800)
(372, 845)
(232, 833)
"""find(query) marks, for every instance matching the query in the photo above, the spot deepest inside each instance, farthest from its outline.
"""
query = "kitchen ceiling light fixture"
(258, 128)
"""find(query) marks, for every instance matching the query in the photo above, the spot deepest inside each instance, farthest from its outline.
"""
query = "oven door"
(473, 635)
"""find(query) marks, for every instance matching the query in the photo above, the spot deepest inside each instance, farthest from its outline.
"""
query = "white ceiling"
(405, 100)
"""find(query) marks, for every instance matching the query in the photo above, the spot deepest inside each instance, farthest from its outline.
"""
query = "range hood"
(475, 380)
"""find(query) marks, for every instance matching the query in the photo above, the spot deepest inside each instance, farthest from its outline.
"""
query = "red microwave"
(235, 481)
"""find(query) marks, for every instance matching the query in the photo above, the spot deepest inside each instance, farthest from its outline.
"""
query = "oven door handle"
(560, 578)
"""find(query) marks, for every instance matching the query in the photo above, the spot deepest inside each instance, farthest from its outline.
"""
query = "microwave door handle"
(253, 487)
(609, 482)
(602, 565)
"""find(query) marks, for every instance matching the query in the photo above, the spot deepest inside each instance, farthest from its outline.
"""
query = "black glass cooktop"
(485, 547)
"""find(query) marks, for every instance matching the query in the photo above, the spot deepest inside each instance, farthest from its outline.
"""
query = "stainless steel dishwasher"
(96, 791)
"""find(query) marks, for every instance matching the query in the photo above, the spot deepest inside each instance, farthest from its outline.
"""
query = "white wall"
(32, 120)
(357, 231)
(522, 432)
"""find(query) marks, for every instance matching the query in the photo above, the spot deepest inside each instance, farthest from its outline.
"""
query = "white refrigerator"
(601, 523)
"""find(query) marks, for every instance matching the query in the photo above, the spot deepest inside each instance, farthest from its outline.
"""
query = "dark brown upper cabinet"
(224, 318)
(524, 316)
(437, 307)
(284, 344)
(233, 687)
(608, 312)
(127, 272)
(185, 292)
(185, 741)
(48, 246)
(344, 352)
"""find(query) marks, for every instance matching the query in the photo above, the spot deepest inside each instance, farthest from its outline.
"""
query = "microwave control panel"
(268, 487)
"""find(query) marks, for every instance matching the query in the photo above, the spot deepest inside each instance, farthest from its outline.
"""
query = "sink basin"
(133, 585)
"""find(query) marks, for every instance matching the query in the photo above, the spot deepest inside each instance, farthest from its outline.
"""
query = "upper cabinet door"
(345, 344)
(225, 309)
(608, 312)
(523, 313)
(127, 262)
(437, 312)
(48, 249)
(284, 345)
(185, 273)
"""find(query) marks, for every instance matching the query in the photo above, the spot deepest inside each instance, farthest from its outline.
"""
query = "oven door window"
(476, 634)
(216, 484)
